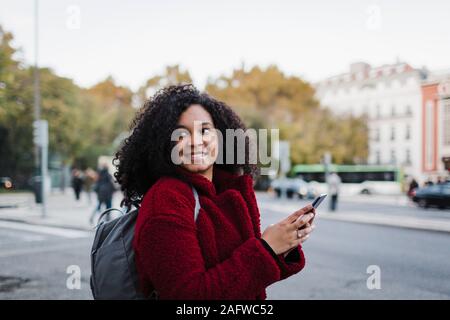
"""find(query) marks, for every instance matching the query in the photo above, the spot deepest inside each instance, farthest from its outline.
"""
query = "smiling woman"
(197, 145)
(172, 152)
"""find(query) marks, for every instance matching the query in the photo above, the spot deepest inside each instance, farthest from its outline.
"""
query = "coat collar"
(222, 181)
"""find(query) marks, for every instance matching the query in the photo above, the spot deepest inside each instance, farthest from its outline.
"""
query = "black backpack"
(113, 269)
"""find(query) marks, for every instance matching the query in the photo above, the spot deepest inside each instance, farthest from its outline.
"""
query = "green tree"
(83, 123)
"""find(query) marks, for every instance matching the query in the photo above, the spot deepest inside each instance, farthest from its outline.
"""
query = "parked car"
(433, 196)
(291, 187)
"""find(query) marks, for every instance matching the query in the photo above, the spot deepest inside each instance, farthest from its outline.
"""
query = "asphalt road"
(413, 264)
(34, 263)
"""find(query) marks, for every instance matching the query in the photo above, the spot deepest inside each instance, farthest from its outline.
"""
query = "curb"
(438, 225)
(407, 222)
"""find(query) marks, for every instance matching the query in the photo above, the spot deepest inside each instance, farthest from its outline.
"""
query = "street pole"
(44, 166)
(37, 94)
(37, 112)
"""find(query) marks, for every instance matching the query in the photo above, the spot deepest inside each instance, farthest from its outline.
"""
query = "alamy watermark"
(374, 280)
(73, 21)
(248, 146)
(73, 281)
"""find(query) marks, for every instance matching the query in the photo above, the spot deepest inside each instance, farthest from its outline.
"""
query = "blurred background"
(359, 90)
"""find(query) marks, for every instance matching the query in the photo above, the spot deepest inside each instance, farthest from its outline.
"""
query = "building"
(436, 125)
(390, 96)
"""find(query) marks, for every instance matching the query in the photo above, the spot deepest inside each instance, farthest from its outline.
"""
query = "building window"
(393, 111)
(393, 157)
(408, 157)
(377, 157)
(392, 133)
(408, 110)
(446, 121)
(408, 132)
(377, 135)
(378, 112)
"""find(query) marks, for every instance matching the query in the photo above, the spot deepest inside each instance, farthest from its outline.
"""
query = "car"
(291, 187)
(437, 195)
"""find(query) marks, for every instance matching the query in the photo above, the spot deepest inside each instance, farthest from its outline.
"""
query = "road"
(34, 262)
(413, 264)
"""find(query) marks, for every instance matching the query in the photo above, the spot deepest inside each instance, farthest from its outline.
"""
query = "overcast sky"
(133, 40)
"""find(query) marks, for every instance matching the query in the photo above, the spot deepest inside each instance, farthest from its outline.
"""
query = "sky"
(134, 40)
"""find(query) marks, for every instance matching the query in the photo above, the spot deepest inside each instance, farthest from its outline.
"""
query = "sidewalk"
(62, 210)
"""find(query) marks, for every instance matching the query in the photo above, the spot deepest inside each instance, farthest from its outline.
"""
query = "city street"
(34, 262)
(413, 264)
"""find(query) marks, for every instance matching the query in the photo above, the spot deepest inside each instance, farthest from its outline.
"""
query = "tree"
(172, 75)
(267, 98)
(83, 123)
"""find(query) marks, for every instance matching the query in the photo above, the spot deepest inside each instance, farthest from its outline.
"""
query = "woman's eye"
(205, 130)
(182, 135)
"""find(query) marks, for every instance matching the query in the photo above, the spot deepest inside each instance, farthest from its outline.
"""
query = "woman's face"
(197, 142)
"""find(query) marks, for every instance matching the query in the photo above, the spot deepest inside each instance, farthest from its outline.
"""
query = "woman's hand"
(285, 235)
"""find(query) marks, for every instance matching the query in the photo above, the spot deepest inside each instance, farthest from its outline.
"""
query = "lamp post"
(40, 126)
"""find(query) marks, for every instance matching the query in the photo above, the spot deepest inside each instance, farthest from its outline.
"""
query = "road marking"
(55, 231)
(28, 251)
(12, 236)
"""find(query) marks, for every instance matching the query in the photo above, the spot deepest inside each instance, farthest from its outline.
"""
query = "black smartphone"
(317, 201)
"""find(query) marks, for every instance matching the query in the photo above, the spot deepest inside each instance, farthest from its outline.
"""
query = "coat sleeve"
(171, 257)
(293, 263)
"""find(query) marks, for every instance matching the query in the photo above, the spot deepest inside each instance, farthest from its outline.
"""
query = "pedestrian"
(334, 182)
(413, 185)
(104, 187)
(173, 147)
(90, 177)
(77, 182)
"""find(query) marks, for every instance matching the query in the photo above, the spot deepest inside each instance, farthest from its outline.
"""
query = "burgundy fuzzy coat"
(221, 255)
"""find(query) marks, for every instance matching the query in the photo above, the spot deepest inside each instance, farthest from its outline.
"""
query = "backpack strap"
(197, 203)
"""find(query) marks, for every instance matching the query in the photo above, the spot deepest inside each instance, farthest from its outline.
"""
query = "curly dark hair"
(144, 156)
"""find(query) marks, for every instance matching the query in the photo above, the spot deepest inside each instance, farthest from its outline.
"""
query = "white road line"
(55, 231)
(29, 251)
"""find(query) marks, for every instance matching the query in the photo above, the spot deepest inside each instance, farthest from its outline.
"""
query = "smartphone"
(317, 201)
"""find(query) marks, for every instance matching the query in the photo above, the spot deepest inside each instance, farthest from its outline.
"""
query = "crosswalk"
(54, 231)
(17, 239)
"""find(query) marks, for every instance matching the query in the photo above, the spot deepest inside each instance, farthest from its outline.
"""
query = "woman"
(222, 254)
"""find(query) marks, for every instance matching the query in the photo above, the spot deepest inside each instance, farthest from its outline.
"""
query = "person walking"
(90, 177)
(334, 182)
(412, 186)
(170, 157)
(104, 187)
(77, 183)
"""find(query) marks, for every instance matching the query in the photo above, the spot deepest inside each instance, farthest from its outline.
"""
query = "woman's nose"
(197, 139)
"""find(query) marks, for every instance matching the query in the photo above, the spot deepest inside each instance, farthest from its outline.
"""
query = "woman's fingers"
(293, 217)
(304, 238)
(303, 232)
(303, 220)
